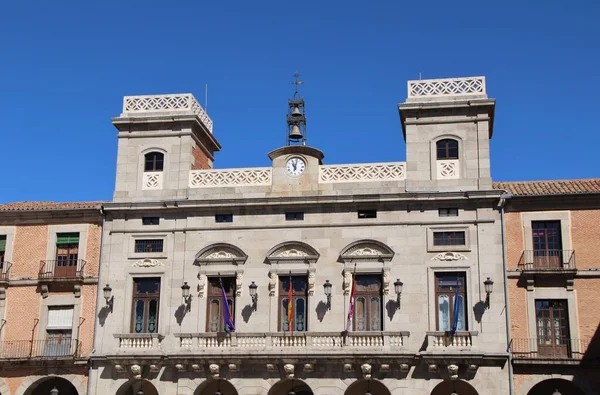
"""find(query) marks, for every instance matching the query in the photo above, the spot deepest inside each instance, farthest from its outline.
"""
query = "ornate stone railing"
(138, 341)
(446, 342)
(152, 180)
(230, 177)
(448, 169)
(310, 341)
(392, 171)
(467, 86)
(174, 103)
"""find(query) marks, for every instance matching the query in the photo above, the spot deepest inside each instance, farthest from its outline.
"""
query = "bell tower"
(296, 165)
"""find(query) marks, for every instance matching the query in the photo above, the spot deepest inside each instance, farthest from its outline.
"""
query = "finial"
(296, 82)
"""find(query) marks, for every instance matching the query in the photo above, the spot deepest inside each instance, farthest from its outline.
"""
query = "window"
(224, 218)
(146, 300)
(298, 304)
(59, 331)
(2, 251)
(152, 245)
(215, 320)
(448, 212)
(150, 220)
(552, 325)
(154, 161)
(67, 254)
(447, 149)
(368, 308)
(449, 238)
(547, 244)
(367, 214)
(450, 291)
(294, 216)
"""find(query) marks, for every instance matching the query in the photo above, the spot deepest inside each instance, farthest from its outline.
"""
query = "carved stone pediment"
(449, 256)
(147, 263)
(366, 250)
(220, 253)
(292, 252)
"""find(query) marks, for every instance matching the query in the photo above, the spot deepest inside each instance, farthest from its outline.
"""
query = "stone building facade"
(552, 231)
(49, 259)
(412, 243)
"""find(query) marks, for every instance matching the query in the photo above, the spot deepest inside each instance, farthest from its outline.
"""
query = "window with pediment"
(368, 257)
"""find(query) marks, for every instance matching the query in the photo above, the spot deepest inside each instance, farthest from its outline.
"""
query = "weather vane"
(297, 82)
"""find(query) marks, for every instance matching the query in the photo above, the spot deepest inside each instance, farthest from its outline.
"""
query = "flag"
(456, 308)
(227, 321)
(351, 308)
(290, 309)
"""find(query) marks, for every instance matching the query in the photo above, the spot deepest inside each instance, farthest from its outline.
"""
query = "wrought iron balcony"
(547, 260)
(61, 269)
(5, 271)
(552, 349)
(49, 349)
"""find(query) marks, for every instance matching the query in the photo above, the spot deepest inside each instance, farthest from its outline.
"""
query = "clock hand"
(295, 163)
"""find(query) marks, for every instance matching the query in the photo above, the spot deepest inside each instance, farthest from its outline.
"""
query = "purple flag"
(227, 322)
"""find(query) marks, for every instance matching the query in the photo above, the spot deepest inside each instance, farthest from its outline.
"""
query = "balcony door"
(547, 244)
(552, 323)
(67, 253)
(59, 332)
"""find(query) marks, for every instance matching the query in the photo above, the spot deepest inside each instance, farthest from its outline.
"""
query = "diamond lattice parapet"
(447, 88)
(230, 177)
(165, 104)
(391, 171)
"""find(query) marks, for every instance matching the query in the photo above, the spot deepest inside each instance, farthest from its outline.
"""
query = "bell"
(296, 112)
(295, 134)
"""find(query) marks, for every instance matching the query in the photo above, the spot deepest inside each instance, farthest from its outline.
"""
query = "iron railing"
(5, 271)
(53, 348)
(547, 260)
(61, 269)
(551, 348)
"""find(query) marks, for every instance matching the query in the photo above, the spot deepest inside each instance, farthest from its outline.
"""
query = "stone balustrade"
(282, 341)
(444, 341)
(467, 86)
(139, 341)
(362, 172)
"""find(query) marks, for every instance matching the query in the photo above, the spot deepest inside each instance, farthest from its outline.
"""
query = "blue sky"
(66, 65)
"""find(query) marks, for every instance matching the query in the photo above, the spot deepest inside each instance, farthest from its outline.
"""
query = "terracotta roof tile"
(550, 187)
(47, 206)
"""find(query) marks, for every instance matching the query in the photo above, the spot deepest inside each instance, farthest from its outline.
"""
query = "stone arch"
(4, 389)
(134, 385)
(283, 387)
(292, 251)
(220, 253)
(448, 387)
(34, 385)
(209, 387)
(362, 386)
(366, 249)
(550, 386)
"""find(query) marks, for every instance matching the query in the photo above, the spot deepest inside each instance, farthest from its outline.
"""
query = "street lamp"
(253, 289)
(185, 293)
(108, 297)
(327, 287)
(489, 287)
(398, 289)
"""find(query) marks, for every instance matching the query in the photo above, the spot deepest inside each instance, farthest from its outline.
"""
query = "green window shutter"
(67, 238)
(2, 243)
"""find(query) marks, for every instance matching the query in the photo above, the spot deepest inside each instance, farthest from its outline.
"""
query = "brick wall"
(23, 306)
(29, 249)
(585, 233)
(201, 160)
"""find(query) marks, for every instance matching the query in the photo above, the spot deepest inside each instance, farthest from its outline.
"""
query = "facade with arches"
(241, 281)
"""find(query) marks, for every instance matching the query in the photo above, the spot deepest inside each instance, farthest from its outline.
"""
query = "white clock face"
(295, 166)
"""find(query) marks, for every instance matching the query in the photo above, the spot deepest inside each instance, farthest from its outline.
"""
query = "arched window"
(447, 149)
(154, 161)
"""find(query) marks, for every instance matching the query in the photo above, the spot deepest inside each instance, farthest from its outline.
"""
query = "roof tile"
(47, 206)
(550, 187)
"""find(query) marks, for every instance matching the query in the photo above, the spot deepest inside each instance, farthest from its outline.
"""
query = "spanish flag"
(290, 309)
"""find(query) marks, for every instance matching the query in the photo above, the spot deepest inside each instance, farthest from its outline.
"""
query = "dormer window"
(154, 161)
(447, 149)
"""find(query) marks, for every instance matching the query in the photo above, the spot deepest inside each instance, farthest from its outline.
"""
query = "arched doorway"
(362, 387)
(284, 387)
(457, 387)
(132, 387)
(551, 386)
(211, 387)
(47, 384)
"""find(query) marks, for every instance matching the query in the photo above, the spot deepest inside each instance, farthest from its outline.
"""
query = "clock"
(295, 166)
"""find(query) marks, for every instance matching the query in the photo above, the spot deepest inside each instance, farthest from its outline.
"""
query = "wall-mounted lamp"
(489, 287)
(253, 289)
(108, 297)
(327, 287)
(187, 298)
(398, 289)
(556, 392)
(54, 391)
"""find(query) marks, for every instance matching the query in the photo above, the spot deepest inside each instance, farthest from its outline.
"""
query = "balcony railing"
(139, 341)
(551, 260)
(447, 342)
(5, 271)
(59, 269)
(306, 341)
(53, 348)
(550, 348)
